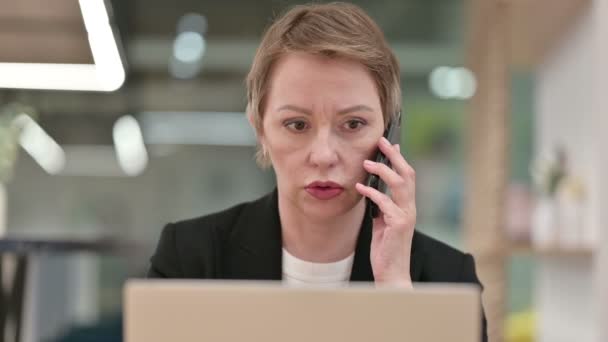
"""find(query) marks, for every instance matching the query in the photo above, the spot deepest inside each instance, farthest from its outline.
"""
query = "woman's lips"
(324, 193)
(324, 190)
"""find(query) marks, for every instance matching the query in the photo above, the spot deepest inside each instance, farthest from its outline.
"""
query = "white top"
(299, 272)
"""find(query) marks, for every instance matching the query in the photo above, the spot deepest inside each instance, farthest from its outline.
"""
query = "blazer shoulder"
(429, 244)
(191, 248)
(444, 263)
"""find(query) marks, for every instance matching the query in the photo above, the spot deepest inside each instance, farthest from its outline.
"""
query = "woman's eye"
(298, 125)
(354, 124)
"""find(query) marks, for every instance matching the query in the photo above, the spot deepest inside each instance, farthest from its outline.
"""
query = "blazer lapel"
(362, 267)
(416, 259)
(255, 246)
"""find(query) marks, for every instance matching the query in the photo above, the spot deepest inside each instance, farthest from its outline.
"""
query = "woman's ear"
(250, 118)
(254, 126)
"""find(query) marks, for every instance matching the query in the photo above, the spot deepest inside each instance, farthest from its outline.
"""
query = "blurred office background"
(108, 136)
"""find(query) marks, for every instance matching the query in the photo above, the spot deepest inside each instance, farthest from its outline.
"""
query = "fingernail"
(385, 141)
(368, 163)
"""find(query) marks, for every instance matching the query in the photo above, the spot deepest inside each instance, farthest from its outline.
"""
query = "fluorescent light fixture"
(192, 22)
(108, 63)
(188, 50)
(449, 83)
(129, 144)
(181, 70)
(189, 47)
(107, 74)
(48, 76)
(38, 144)
(468, 83)
(437, 81)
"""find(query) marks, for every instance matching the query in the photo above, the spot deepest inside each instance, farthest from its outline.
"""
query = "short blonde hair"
(334, 30)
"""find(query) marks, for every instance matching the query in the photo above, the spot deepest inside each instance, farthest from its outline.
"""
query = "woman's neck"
(316, 240)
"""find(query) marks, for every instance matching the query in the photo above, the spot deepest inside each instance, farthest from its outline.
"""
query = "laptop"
(219, 311)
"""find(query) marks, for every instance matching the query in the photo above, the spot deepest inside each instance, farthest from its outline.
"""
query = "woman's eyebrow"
(357, 108)
(295, 109)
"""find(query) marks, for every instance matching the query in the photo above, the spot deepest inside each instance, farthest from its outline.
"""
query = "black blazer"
(244, 242)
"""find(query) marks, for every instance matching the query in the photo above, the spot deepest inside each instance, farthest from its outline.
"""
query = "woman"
(323, 87)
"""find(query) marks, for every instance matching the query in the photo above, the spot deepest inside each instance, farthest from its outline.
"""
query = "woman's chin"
(327, 209)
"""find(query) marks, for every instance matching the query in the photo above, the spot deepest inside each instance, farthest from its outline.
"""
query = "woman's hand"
(393, 229)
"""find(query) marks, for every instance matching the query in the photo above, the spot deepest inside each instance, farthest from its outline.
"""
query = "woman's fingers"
(388, 175)
(401, 166)
(385, 203)
(402, 188)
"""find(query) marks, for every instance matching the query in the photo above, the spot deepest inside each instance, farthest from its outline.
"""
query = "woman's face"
(322, 118)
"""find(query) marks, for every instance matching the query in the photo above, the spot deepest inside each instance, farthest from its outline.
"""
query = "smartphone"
(393, 134)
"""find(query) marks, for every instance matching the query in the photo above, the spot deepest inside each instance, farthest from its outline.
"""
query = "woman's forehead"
(299, 79)
(306, 66)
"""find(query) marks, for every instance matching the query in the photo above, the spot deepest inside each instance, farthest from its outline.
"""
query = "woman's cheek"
(365, 146)
(356, 153)
(286, 142)
(285, 146)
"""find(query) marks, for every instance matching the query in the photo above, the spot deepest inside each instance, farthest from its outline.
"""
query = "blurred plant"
(430, 129)
(573, 187)
(9, 136)
(549, 172)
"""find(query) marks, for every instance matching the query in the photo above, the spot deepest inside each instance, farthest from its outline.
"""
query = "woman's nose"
(323, 151)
